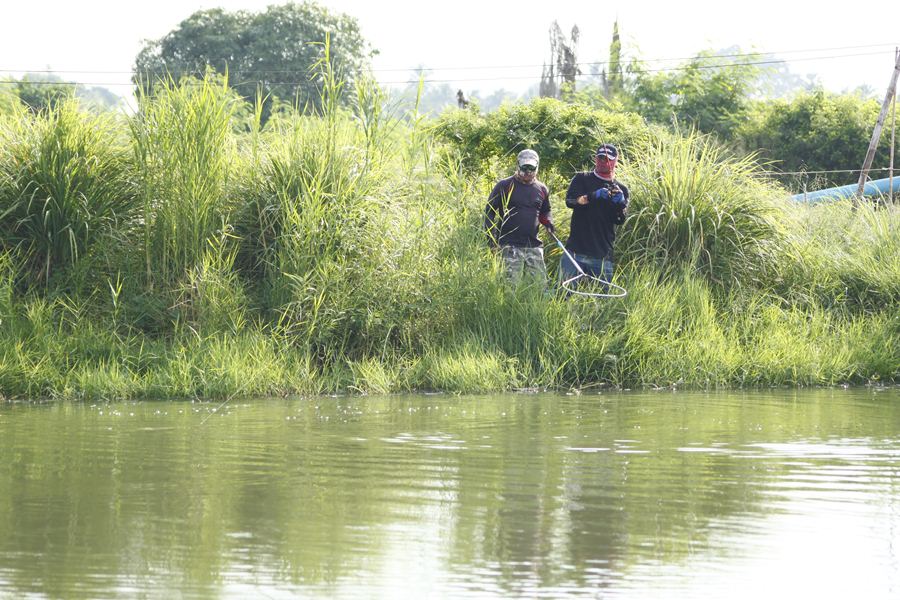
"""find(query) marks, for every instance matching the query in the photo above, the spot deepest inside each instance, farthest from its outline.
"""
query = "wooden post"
(893, 135)
(876, 134)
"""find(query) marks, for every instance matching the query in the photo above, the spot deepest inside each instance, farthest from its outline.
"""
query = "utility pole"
(893, 134)
(876, 134)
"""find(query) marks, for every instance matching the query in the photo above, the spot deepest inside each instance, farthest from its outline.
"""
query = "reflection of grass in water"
(337, 486)
(343, 252)
(324, 491)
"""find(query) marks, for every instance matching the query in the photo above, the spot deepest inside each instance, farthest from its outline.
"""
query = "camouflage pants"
(529, 261)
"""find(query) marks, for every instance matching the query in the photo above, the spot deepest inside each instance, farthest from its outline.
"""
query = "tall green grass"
(844, 253)
(696, 208)
(186, 160)
(305, 228)
(342, 251)
(65, 183)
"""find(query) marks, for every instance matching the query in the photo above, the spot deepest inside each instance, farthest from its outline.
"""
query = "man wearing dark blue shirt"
(599, 203)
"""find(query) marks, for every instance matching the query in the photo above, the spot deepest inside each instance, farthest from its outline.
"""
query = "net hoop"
(613, 290)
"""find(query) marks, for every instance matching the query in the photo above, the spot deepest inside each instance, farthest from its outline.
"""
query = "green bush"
(344, 252)
(817, 131)
(703, 93)
(564, 135)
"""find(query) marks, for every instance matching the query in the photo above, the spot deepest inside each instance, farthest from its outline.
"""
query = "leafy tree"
(710, 95)
(778, 81)
(817, 131)
(9, 99)
(494, 100)
(436, 98)
(40, 92)
(711, 92)
(559, 76)
(613, 79)
(43, 92)
(271, 52)
(430, 99)
(98, 97)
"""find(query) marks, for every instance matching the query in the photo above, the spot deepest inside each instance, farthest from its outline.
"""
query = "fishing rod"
(618, 291)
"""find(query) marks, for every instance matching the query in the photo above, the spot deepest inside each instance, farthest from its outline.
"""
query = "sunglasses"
(527, 168)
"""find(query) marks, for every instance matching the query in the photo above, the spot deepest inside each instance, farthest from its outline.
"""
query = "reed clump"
(186, 159)
(66, 186)
(696, 207)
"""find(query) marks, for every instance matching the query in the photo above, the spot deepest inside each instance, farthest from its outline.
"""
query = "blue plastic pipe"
(879, 187)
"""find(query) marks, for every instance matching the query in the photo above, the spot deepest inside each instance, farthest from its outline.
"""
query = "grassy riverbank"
(187, 252)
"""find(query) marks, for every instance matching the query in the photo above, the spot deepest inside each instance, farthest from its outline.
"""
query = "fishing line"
(216, 409)
(219, 407)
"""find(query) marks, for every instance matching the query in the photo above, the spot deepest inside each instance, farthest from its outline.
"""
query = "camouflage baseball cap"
(528, 157)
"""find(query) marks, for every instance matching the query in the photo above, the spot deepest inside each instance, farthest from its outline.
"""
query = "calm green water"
(635, 495)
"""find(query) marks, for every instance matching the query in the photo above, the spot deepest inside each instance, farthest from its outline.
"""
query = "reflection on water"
(752, 495)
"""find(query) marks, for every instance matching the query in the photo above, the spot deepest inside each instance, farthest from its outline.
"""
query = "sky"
(481, 45)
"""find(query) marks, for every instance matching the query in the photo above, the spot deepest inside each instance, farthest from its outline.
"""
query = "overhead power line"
(489, 67)
(820, 172)
(648, 60)
(660, 70)
(459, 79)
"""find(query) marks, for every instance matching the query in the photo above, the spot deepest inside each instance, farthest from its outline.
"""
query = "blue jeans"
(591, 265)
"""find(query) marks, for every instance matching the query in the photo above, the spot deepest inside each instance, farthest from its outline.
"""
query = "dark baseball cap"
(609, 151)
